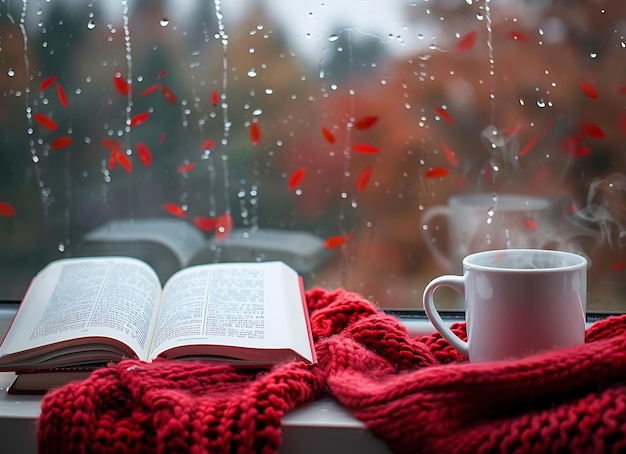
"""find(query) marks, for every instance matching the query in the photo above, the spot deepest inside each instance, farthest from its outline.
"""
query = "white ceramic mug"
(517, 302)
(484, 221)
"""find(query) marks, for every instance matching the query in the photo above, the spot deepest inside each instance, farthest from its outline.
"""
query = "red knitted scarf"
(418, 395)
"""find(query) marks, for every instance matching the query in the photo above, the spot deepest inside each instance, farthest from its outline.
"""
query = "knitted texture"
(170, 407)
(418, 395)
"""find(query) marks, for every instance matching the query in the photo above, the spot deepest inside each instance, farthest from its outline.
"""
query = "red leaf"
(513, 130)
(47, 83)
(62, 96)
(61, 142)
(366, 122)
(150, 89)
(255, 134)
(207, 145)
(589, 89)
(205, 224)
(617, 266)
(336, 241)
(121, 85)
(169, 95)
(581, 151)
(450, 156)
(46, 121)
(296, 178)
(223, 227)
(328, 135)
(363, 179)
(535, 138)
(7, 210)
(466, 42)
(145, 155)
(110, 143)
(365, 148)
(529, 145)
(444, 114)
(161, 74)
(518, 36)
(436, 172)
(175, 210)
(186, 167)
(572, 145)
(531, 224)
(139, 119)
(123, 160)
(592, 130)
(215, 98)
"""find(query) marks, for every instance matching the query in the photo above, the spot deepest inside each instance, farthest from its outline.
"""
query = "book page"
(83, 297)
(225, 304)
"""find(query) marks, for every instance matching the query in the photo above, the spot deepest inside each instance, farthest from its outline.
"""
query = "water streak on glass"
(223, 36)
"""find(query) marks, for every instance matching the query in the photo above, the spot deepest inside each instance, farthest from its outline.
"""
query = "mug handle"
(456, 283)
(429, 214)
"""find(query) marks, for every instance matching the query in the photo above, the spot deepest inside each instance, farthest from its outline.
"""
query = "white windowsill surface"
(323, 426)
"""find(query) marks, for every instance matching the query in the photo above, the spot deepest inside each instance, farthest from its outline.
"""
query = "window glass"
(335, 135)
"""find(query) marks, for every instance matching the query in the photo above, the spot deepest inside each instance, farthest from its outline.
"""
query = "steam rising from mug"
(526, 261)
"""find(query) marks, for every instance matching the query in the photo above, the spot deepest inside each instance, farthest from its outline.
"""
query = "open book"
(85, 312)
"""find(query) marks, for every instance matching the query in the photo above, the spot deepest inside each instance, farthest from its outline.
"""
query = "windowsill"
(320, 426)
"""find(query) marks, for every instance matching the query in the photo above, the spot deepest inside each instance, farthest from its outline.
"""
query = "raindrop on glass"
(91, 24)
(164, 22)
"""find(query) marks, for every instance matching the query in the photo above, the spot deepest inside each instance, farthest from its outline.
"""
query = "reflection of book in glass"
(84, 312)
(301, 250)
(171, 244)
(166, 244)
